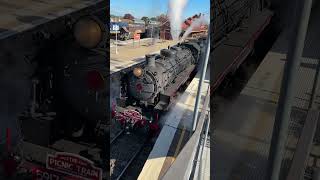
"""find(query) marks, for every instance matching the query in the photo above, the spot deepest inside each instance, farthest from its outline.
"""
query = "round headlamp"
(137, 72)
(88, 32)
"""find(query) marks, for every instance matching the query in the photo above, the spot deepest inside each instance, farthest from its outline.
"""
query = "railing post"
(281, 123)
(261, 5)
(314, 87)
(200, 175)
(316, 174)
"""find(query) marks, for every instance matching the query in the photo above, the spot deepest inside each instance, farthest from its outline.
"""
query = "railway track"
(123, 150)
(116, 136)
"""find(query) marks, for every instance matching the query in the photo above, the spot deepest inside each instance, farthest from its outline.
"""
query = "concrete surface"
(266, 82)
(131, 54)
(243, 126)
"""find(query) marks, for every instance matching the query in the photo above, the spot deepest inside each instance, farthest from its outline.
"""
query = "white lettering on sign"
(88, 172)
(115, 27)
(59, 163)
(43, 175)
(73, 165)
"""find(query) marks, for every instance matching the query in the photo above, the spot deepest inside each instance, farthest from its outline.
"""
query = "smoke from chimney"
(176, 8)
(195, 23)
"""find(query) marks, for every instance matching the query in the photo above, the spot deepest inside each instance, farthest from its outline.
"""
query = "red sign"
(74, 165)
(136, 36)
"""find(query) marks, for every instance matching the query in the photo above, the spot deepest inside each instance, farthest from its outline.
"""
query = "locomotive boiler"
(163, 74)
(151, 88)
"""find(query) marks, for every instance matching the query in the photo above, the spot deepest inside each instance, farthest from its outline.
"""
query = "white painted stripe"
(152, 168)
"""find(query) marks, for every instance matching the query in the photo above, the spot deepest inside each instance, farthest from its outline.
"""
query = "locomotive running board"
(179, 81)
(163, 104)
(166, 97)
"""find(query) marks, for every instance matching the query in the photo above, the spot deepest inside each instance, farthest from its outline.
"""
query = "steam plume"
(195, 23)
(176, 8)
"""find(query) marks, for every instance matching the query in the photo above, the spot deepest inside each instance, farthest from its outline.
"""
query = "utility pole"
(116, 42)
(117, 28)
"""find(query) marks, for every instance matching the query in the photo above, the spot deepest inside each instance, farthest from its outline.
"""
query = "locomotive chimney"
(151, 60)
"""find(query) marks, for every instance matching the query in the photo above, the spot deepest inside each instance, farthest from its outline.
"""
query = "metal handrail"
(205, 141)
(281, 124)
(304, 146)
(199, 174)
(202, 76)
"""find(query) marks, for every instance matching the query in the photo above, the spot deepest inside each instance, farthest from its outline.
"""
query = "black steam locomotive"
(151, 88)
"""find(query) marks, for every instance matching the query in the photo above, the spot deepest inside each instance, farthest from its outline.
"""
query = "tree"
(162, 18)
(128, 16)
(153, 19)
(146, 20)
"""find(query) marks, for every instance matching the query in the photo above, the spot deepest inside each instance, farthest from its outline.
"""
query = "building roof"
(154, 22)
(138, 21)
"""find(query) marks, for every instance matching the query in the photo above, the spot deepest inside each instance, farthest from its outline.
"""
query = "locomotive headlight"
(137, 72)
(88, 32)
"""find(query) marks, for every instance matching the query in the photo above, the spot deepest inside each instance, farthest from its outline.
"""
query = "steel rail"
(129, 162)
(116, 136)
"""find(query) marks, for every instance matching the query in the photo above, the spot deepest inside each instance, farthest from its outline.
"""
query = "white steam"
(195, 23)
(176, 8)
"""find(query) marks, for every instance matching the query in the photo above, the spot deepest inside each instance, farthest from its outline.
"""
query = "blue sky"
(151, 8)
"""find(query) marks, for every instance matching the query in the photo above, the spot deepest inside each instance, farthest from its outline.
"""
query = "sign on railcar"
(73, 165)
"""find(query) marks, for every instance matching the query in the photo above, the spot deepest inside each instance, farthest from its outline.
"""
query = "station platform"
(243, 126)
(132, 53)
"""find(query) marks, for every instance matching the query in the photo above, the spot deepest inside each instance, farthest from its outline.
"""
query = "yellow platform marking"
(169, 160)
